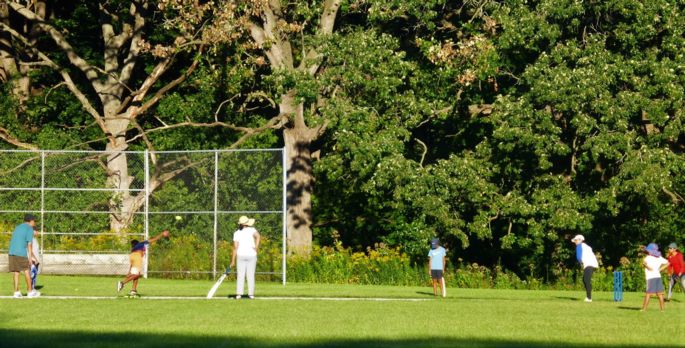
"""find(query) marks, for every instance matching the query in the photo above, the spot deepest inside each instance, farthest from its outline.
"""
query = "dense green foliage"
(504, 128)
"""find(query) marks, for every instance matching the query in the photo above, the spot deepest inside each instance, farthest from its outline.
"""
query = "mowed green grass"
(467, 318)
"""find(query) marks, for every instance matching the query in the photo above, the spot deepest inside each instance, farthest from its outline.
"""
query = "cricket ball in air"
(178, 218)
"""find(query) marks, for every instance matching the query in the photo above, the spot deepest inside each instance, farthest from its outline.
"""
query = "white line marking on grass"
(343, 299)
(272, 298)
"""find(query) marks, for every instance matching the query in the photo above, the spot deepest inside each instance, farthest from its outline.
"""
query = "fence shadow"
(76, 339)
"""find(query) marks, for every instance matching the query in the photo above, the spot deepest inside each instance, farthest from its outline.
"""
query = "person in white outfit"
(35, 259)
(586, 257)
(245, 247)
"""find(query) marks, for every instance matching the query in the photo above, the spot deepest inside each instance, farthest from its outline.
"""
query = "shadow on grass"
(629, 308)
(567, 298)
(425, 293)
(57, 339)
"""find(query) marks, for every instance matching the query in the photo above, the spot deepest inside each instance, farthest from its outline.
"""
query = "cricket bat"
(216, 285)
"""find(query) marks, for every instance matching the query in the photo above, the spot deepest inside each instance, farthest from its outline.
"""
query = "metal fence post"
(285, 209)
(146, 166)
(42, 200)
(216, 209)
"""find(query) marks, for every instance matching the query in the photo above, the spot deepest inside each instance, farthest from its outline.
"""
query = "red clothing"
(676, 265)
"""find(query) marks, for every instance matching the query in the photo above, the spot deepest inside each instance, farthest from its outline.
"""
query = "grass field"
(467, 318)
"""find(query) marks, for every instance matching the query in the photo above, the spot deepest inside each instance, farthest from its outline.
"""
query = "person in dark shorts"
(436, 264)
(21, 253)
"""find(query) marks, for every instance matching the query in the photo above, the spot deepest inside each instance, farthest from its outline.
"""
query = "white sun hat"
(244, 220)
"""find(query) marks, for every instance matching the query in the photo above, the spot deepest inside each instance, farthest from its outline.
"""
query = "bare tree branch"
(326, 25)
(6, 136)
(20, 165)
(274, 123)
(65, 76)
(59, 40)
(425, 150)
(160, 93)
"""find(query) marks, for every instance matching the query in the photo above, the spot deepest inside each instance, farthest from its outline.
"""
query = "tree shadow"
(77, 339)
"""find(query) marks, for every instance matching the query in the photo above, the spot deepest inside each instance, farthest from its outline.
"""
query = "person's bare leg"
(129, 278)
(645, 303)
(661, 300)
(16, 281)
(444, 287)
(135, 284)
(435, 287)
(27, 276)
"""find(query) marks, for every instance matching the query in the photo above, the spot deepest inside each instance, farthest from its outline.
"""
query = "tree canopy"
(502, 127)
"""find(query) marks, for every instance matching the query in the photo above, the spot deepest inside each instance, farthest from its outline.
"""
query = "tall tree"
(116, 64)
(278, 27)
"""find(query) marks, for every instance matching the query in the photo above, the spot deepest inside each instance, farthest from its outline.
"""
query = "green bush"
(388, 266)
(341, 265)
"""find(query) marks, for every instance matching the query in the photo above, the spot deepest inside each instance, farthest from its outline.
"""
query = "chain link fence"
(90, 205)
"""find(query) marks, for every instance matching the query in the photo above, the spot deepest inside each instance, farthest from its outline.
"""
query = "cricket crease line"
(266, 298)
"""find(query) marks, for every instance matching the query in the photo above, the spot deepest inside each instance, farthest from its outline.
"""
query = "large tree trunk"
(300, 179)
(121, 203)
(299, 184)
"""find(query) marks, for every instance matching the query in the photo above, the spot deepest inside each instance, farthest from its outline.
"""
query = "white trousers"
(246, 266)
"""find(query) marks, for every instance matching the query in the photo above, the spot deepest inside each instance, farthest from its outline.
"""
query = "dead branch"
(65, 76)
(6, 136)
(425, 150)
(19, 166)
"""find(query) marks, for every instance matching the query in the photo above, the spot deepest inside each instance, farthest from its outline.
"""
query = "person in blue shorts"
(436, 264)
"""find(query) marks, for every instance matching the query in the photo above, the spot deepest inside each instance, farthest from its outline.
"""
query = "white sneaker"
(17, 294)
(120, 286)
(33, 293)
(588, 300)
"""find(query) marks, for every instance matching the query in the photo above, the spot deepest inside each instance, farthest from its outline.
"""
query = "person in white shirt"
(587, 258)
(654, 264)
(35, 259)
(245, 247)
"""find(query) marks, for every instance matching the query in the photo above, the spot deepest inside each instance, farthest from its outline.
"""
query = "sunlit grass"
(468, 317)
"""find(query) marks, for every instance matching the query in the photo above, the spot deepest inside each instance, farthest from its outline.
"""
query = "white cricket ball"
(178, 218)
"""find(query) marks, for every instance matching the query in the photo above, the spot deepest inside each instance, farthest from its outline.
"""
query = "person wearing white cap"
(245, 246)
(654, 264)
(588, 260)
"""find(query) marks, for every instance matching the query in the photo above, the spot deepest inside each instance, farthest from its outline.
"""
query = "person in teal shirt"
(20, 252)
(436, 264)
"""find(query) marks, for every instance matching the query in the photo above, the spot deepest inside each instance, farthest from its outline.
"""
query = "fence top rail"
(198, 212)
(105, 152)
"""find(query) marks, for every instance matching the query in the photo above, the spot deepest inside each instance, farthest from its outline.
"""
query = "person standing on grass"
(245, 247)
(138, 250)
(35, 260)
(676, 269)
(654, 264)
(21, 255)
(436, 265)
(587, 259)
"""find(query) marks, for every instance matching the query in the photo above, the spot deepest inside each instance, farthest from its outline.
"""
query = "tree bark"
(297, 136)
